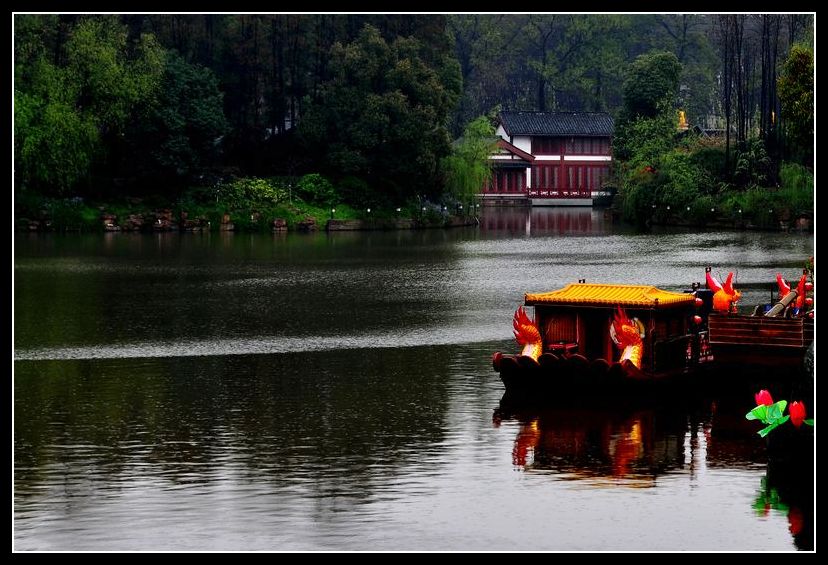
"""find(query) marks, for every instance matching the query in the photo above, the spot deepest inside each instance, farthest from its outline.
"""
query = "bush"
(317, 189)
(252, 191)
(700, 210)
(710, 159)
(360, 195)
(637, 202)
(759, 205)
(794, 176)
(355, 191)
(753, 166)
(73, 215)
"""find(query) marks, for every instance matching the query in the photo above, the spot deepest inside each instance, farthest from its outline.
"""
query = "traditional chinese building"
(550, 158)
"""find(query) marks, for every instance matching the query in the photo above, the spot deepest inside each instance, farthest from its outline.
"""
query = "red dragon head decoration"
(527, 334)
(628, 337)
(724, 296)
(785, 289)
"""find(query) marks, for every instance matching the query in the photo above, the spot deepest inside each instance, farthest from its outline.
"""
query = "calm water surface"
(257, 392)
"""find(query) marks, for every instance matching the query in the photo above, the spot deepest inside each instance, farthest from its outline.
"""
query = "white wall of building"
(523, 142)
(587, 158)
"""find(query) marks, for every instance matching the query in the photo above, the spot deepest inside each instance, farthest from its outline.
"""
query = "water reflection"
(335, 391)
(608, 446)
(546, 221)
(189, 419)
(640, 446)
(787, 489)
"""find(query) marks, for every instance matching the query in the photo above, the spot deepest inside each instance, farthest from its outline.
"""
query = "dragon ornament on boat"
(801, 289)
(527, 334)
(724, 295)
(627, 334)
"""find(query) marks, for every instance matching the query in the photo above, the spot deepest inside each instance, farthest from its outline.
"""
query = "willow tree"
(468, 167)
(73, 92)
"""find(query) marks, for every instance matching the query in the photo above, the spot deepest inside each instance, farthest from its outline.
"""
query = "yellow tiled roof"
(610, 295)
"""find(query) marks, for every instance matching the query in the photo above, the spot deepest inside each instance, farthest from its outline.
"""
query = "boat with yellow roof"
(604, 331)
(620, 335)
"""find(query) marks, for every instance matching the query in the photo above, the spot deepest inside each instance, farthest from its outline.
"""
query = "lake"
(335, 392)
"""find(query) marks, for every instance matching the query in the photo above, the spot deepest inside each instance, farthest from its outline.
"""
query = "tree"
(381, 117)
(71, 99)
(651, 84)
(468, 167)
(180, 134)
(645, 133)
(796, 93)
(686, 35)
(646, 121)
(725, 36)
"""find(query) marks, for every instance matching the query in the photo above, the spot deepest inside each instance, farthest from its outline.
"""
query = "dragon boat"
(622, 337)
(576, 330)
(772, 337)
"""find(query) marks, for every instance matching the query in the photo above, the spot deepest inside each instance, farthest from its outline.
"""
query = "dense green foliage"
(380, 115)
(796, 92)
(651, 85)
(645, 126)
(366, 106)
(73, 103)
(180, 133)
(667, 175)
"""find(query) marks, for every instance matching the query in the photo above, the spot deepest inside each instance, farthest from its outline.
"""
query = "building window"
(545, 145)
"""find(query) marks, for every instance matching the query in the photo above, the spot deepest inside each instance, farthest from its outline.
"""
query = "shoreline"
(278, 225)
(162, 220)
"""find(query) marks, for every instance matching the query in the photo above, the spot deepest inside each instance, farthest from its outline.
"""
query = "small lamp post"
(333, 211)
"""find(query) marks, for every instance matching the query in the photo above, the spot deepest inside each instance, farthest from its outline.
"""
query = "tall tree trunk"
(278, 61)
(775, 146)
(542, 78)
(725, 33)
(738, 39)
(764, 87)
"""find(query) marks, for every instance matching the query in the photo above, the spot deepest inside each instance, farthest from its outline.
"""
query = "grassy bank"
(689, 184)
(241, 204)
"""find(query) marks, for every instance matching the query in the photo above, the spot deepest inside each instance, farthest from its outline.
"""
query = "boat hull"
(521, 374)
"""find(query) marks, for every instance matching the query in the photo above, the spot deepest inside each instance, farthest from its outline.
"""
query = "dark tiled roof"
(557, 123)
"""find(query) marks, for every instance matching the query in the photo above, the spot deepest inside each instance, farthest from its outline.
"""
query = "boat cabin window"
(670, 326)
(558, 329)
